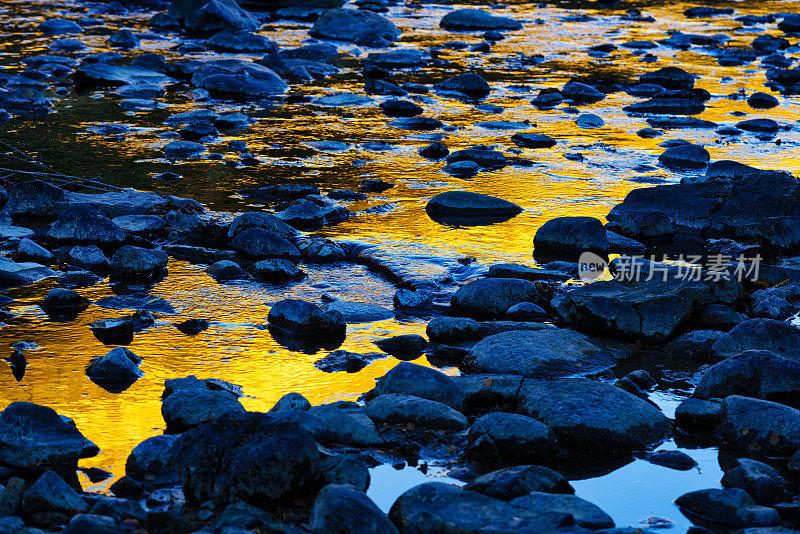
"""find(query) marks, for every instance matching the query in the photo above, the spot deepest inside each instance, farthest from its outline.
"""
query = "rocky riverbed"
(267, 267)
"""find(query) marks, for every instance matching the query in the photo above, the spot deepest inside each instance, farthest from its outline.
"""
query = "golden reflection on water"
(235, 348)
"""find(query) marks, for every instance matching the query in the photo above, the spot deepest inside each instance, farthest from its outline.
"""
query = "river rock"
(349, 423)
(188, 408)
(304, 318)
(136, 263)
(28, 250)
(64, 303)
(470, 84)
(753, 373)
(291, 402)
(669, 78)
(346, 510)
(468, 204)
(513, 482)
(267, 221)
(345, 469)
(359, 312)
(249, 456)
(307, 214)
(240, 79)
(762, 481)
(581, 93)
(685, 156)
(50, 494)
(760, 334)
(150, 461)
(81, 224)
(445, 329)
(411, 379)
(211, 16)
(14, 274)
(36, 438)
(584, 513)
(514, 438)
(572, 235)
(360, 27)
(492, 297)
(394, 409)
(733, 209)
(342, 360)
(277, 271)
(241, 41)
(475, 19)
(697, 416)
(119, 365)
(762, 101)
(732, 507)
(404, 347)
(60, 27)
(261, 243)
(590, 415)
(548, 353)
(436, 507)
(695, 345)
(761, 426)
(652, 309)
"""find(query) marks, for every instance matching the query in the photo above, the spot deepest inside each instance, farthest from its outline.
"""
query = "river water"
(550, 50)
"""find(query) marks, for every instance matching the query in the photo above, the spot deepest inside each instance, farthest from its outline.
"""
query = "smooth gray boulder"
(761, 426)
(343, 509)
(572, 235)
(760, 334)
(36, 438)
(408, 378)
(246, 456)
(492, 297)
(586, 514)
(511, 482)
(188, 408)
(587, 415)
(516, 438)
(548, 353)
(212, 15)
(732, 507)
(50, 494)
(360, 27)
(394, 409)
(753, 373)
(475, 19)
